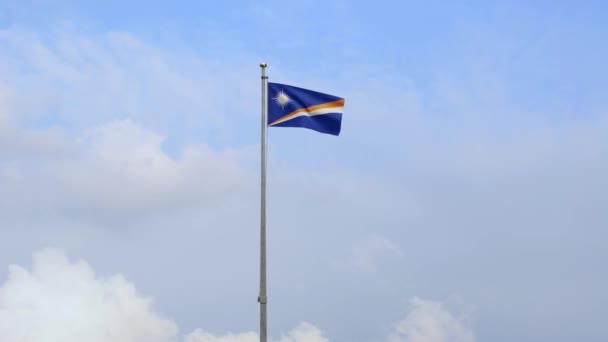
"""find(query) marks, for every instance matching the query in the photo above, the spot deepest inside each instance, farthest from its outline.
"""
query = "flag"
(290, 106)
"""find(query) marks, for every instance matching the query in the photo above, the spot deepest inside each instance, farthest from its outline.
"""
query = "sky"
(464, 200)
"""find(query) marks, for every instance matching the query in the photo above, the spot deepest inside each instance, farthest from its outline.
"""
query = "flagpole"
(262, 299)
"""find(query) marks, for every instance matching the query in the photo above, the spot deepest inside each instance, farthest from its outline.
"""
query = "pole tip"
(263, 65)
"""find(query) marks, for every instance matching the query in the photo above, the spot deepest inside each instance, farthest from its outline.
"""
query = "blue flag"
(290, 106)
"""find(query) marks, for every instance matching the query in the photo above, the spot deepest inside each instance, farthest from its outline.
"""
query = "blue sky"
(464, 200)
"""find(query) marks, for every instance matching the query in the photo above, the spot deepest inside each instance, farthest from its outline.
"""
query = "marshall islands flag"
(290, 106)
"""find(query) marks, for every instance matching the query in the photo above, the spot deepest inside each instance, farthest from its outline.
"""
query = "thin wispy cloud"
(366, 254)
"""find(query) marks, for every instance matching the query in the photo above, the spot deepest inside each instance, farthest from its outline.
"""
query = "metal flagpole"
(262, 299)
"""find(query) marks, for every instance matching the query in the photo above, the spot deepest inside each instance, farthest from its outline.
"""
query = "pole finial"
(263, 65)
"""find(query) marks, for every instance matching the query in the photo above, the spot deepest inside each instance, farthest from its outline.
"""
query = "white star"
(282, 99)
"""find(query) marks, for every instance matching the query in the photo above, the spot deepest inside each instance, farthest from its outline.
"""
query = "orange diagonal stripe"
(336, 103)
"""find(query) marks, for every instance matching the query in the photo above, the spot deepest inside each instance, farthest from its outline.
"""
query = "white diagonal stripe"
(321, 111)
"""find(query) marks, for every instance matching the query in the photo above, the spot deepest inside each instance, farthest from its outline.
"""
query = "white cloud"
(59, 300)
(429, 321)
(120, 168)
(124, 167)
(79, 123)
(199, 335)
(24, 142)
(63, 301)
(304, 332)
(83, 80)
(367, 253)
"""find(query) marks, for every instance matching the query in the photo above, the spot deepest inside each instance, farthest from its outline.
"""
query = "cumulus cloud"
(80, 118)
(304, 332)
(132, 171)
(429, 321)
(199, 335)
(120, 168)
(59, 300)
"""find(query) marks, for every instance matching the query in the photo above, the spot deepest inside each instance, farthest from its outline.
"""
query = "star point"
(282, 99)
